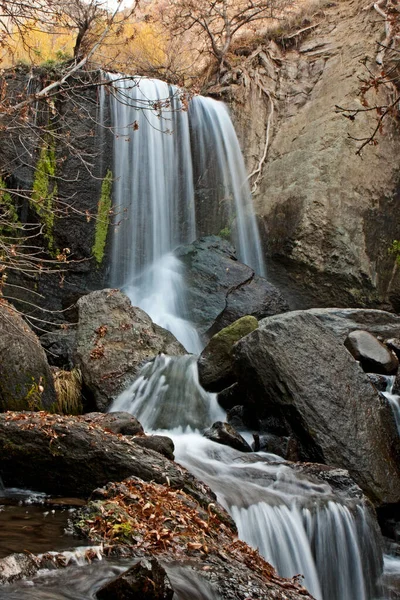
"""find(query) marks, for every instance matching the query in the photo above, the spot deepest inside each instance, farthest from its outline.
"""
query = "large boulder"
(26, 381)
(296, 368)
(221, 289)
(215, 362)
(114, 340)
(72, 457)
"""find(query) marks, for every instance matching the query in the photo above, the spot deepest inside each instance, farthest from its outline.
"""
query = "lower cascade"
(301, 527)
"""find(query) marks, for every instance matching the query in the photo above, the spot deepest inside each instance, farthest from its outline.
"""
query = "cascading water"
(178, 172)
(158, 144)
(393, 399)
(300, 526)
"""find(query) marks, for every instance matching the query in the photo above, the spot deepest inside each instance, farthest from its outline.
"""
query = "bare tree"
(218, 22)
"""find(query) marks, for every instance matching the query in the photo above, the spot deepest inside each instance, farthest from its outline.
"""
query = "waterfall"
(300, 526)
(164, 155)
(178, 173)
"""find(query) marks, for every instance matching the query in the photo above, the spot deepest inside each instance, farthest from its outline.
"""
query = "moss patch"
(45, 190)
(103, 218)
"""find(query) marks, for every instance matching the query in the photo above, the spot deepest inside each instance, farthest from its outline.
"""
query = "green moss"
(45, 190)
(103, 218)
(395, 250)
(225, 233)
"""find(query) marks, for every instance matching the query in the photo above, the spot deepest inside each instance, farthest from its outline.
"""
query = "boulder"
(26, 381)
(72, 457)
(213, 274)
(215, 362)
(114, 339)
(225, 434)
(373, 356)
(295, 367)
(146, 580)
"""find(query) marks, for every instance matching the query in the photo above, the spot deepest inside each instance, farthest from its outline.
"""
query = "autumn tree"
(218, 22)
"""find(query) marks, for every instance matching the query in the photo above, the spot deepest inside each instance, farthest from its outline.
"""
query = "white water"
(394, 400)
(300, 526)
(155, 148)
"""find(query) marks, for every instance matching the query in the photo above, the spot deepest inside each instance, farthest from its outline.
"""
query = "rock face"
(114, 340)
(295, 368)
(373, 356)
(60, 347)
(329, 217)
(219, 286)
(215, 362)
(26, 382)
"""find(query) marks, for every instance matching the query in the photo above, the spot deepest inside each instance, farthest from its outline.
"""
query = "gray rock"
(159, 443)
(117, 422)
(146, 580)
(295, 366)
(26, 381)
(371, 353)
(215, 362)
(225, 434)
(17, 566)
(284, 446)
(114, 340)
(214, 277)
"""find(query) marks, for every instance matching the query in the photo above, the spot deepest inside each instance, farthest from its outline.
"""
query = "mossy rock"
(26, 382)
(215, 362)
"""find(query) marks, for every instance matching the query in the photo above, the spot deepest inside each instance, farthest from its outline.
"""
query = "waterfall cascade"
(172, 164)
(179, 172)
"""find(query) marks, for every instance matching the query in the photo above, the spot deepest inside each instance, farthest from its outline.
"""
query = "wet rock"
(26, 381)
(117, 422)
(225, 434)
(380, 382)
(213, 274)
(294, 367)
(286, 447)
(17, 566)
(147, 580)
(72, 457)
(230, 397)
(60, 347)
(241, 418)
(159, 443)
(114, 339)
(371, 353)
(215, 362)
